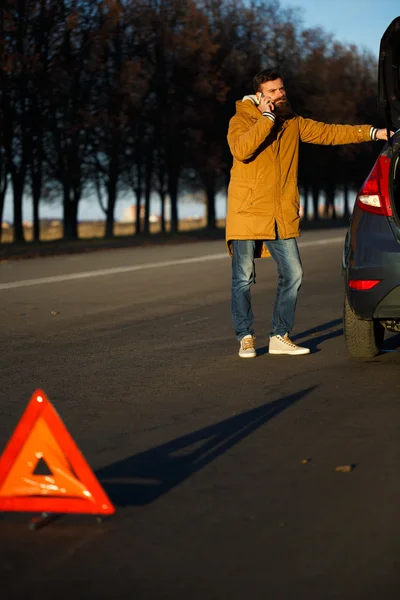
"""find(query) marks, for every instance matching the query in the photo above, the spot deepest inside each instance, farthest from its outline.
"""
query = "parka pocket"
(239, 196)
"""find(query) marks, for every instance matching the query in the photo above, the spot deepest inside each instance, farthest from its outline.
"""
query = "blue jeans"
(290, 273)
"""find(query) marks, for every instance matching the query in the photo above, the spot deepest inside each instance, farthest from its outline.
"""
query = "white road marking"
(142, 267)
(335, 240)
(184, 323)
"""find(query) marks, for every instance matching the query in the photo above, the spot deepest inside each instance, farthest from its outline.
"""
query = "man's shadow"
(390, 344)
(310, 337)
(144, 477)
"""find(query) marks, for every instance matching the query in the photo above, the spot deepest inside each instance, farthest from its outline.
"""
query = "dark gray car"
(371, 255)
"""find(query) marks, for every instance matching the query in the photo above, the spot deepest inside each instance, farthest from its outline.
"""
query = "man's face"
(275, 91)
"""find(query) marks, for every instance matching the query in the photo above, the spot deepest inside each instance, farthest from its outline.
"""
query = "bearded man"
(263, 202)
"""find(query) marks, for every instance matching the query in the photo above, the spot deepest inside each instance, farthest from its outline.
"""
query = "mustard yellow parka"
(263, 186)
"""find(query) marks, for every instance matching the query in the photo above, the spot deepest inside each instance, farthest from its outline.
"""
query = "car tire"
(363, 338)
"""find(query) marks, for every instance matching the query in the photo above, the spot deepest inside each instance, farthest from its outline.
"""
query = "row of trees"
(113, 96)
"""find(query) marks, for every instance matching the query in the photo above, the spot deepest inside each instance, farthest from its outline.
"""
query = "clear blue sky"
(359, 22)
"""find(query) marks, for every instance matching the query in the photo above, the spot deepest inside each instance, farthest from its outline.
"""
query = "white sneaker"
(247, 349)
(283, 345)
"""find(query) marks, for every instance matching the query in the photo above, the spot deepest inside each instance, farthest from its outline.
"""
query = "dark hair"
(263, 76)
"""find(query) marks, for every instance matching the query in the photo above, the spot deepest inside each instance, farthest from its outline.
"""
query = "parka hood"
(248, 105)
(253, 98)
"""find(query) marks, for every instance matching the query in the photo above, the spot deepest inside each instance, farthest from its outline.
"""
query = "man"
(263, 202)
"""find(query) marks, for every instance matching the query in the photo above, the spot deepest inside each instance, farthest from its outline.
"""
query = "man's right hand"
(266, 105)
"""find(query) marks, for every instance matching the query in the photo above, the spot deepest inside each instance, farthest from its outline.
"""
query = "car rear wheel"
(363, 338)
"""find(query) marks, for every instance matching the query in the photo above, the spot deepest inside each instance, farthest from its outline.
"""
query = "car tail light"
(374, 194)
(363, 284)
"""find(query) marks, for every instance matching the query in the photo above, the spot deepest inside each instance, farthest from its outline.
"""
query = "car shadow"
(391, 344)
(144, 477)
(312, 338)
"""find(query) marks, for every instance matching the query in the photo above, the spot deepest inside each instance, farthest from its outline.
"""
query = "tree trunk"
(36, 180)
(18, 192)
(109, 232)
(315, 199)
(70, 214)
(173, 196)
(210, 191)
(346, 208)
(67, 234)
(326, 205)
(147, 193)
(74, 217)
(36, 221)
(305, 202)
(3, 191)
(330, 191)
(138, 224)
(162, 198)
(112, 199)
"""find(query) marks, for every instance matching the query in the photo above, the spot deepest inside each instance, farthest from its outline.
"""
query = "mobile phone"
(264, 96)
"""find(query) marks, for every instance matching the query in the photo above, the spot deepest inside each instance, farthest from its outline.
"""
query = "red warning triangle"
(70, 485)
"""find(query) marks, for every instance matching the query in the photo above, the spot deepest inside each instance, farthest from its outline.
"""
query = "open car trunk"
(389, 106)
(394, 177)
(389, 76)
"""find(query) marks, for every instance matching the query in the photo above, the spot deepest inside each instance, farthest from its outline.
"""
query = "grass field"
(87, 230)
(91, 237)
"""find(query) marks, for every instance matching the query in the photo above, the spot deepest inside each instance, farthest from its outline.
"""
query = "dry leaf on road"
(344, 468)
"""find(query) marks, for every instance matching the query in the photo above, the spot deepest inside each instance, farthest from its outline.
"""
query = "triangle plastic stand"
(70, 487)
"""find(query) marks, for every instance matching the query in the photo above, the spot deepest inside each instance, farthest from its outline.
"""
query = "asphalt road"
(222, 470)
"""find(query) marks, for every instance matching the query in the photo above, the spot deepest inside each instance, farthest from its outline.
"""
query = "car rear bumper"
(372, 251)
(389, 306)
(381, 302)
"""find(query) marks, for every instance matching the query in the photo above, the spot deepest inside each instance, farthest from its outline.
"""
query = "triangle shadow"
(144, 477)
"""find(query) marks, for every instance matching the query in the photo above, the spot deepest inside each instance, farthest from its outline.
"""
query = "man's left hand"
(381, 134)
